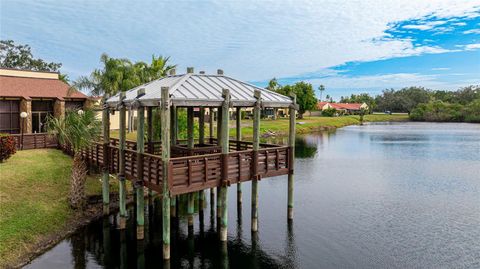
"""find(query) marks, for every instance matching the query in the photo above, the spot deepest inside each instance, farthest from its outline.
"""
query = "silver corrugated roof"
(201, 90)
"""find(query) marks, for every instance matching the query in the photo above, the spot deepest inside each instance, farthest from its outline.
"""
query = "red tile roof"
(28, 88)
(347, 106)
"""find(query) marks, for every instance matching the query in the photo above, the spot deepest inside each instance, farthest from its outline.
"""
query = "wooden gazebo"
(172, 167)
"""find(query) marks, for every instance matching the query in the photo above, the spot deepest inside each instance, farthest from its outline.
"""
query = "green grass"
(309, 124)
(34, 188)
(314, 124)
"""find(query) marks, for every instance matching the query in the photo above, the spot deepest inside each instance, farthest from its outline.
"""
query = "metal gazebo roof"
(201, 90)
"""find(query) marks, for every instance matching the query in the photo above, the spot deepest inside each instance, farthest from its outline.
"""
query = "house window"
(41, 110)
(73, 105)
(10, 116)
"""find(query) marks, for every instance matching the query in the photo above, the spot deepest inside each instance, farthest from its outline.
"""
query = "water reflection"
(366, 197)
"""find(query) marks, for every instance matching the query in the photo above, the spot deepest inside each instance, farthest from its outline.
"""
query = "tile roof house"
(39, 94)
(345, 107)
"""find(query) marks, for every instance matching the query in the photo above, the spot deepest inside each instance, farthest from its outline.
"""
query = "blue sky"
(348, 46)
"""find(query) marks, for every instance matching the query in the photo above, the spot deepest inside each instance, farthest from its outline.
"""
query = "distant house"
(347, 108)
(39, 94)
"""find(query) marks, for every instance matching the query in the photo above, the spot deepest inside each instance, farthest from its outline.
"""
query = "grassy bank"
(33, 200)
(314, 124)
(306, 125)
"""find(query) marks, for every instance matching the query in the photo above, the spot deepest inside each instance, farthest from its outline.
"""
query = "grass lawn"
(309, 124)
(34, 187)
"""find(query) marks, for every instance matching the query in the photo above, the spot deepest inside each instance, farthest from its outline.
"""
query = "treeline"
(425, 104)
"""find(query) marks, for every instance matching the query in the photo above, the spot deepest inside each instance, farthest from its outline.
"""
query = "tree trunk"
(77, 182)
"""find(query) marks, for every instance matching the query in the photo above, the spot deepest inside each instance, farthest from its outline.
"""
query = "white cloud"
(472, 46)
(425, 26)
(375, 81)
(251, 40)
(472, 31)
(440, 68)
(459, 23)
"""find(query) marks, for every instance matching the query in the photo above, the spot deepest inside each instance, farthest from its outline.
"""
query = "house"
(346, 108)
(39, 94)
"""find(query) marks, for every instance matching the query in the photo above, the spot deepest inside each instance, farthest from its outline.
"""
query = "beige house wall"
(28, 74)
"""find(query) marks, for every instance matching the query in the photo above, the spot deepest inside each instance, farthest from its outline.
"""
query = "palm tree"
(78, 129)
(321, 88)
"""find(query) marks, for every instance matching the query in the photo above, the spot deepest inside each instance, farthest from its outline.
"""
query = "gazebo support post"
(165, 137)
(190, 145)
(106, 164)
(238, 117)
(219, 143)
(212, 190)
(139, 183)
(121, 165)
(291, 144)
(256, 146)
(201, 139)
(173, 133)
(225, 148)
(150, 137)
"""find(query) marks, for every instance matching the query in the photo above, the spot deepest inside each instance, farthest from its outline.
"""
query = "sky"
(347, 46)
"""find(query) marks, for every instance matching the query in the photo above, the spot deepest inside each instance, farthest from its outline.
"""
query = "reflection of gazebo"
(198, 163)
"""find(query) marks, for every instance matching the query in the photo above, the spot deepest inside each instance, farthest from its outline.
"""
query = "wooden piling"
(201, 126)
(291, 144)
(139, 183)
(121, 165)
(256, 146)
(201, 141)
(225, 148)
(173, 142)
(210, 121)
(190, 145)
(238, 114)
(150, 139)
(165, 137)
(105, 170)
(219, 142)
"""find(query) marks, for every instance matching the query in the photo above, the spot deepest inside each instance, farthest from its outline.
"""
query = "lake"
(389, 195)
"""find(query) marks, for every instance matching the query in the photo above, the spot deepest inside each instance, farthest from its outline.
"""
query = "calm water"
(403, 195)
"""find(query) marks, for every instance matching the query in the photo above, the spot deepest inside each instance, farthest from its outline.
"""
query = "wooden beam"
(210, 121)
(139, 182)
(173, 142)
(190, 129)
(225, 149)
(150, 129)
(174, 125)
(165, 119)
(105, 170)
(121, 165)
(201, 126)
(291, 144)
(256, 147)
(238, 118)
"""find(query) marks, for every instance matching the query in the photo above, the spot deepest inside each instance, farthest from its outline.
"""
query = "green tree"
(78, 129)
(115, 76)
(21, 57)
(321, 89)
(361, 98)
(306, 98)
(472, 111)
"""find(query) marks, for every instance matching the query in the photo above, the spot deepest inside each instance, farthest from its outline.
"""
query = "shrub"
(437, 111)
(472, 111)
(7, 147)
(329, 112)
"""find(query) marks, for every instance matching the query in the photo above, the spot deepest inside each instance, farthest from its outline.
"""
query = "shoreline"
(94, 209)
(93, 212)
